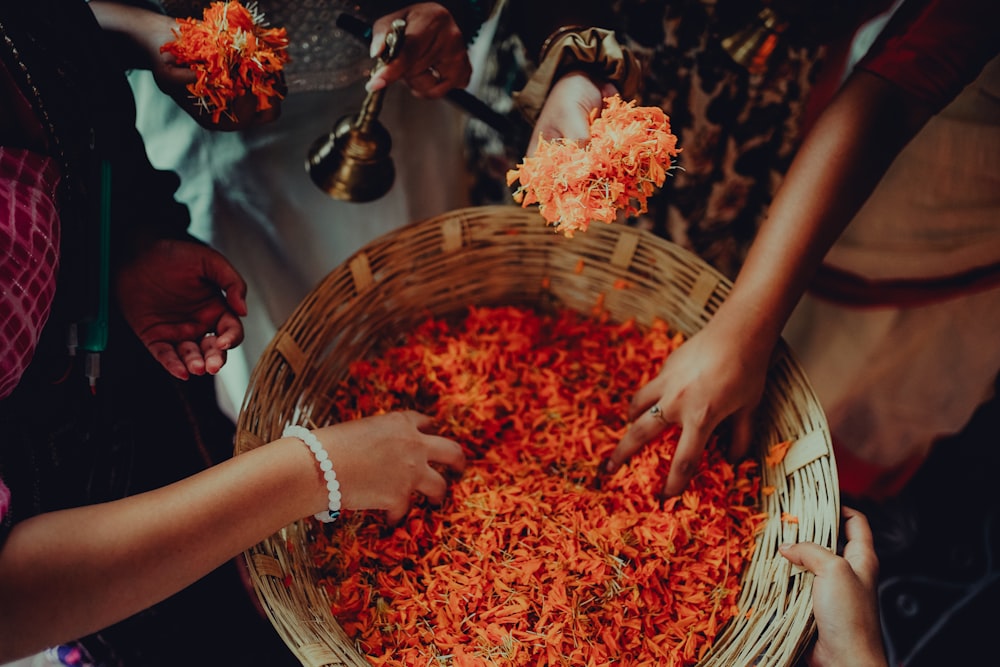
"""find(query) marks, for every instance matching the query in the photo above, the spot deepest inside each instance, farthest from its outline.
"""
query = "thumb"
(219, 271)
(811, 556)
(378, 39)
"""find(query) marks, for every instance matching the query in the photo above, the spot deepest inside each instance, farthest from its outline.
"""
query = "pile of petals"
(531, 560)
(628, 156)
(233, 52)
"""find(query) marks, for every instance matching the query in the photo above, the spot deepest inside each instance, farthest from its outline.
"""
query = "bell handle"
(372, 105)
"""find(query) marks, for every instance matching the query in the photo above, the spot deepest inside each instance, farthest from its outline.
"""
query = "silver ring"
(434, 73)
(209, 334)
(657, 412)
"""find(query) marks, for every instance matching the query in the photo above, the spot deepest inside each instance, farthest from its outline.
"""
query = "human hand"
(184, 300)
(242, 112)
(434, 58)
(382, 461)
(146, 32)
(844, 597)
(715, 375)
(567, 109)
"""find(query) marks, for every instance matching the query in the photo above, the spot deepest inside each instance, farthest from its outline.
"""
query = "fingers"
(229, 331)
(635, 437)
(432, 484)
(438, 78)
(651, 424)
(859, 554)
(567, 110)
(397, 512)
(433, 487)
(860, 548)
(741, 436)
(685, 463)
(190, 357)
(445, 451)
(166, 355)
(218, 270)
(809, 555)
(438, 450)
(648, 422)
(430, 78)
(856, 528)
(213, 353)
(430, 84)
(190, 353)
(433, 58)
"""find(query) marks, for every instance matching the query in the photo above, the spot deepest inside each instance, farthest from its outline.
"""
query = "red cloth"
(859, 478)
(932, 49)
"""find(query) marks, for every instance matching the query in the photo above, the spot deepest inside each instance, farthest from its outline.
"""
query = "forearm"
(105, 562)
(138, 32)
(839, 164)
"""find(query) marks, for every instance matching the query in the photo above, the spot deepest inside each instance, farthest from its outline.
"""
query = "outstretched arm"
(719, 373)
(69, 573)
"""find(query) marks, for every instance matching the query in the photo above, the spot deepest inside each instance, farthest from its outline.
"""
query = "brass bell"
(753, 45)
(352, 162)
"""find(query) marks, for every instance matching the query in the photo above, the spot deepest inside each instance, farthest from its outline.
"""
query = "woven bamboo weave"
(507, 255)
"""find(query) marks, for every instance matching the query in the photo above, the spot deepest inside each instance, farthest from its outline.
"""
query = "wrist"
(864, 653)
(741, 319)
(594, 51)
(136, 32)
(324, 465)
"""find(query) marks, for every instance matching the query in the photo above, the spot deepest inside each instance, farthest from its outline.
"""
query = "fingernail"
(784, 546)
(610, 466)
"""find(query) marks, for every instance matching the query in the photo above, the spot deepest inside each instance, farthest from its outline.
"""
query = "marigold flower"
(233, 52)
(529, 562)
(628, 156)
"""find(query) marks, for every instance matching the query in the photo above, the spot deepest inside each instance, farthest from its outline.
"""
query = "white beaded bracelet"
(325, 465)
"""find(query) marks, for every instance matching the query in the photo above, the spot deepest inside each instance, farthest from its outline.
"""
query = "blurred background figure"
(898, 331)
(248, 191)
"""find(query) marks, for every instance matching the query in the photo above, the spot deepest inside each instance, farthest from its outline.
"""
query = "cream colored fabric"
(892, 380)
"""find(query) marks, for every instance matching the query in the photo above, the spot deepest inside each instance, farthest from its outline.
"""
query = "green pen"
(95, 331)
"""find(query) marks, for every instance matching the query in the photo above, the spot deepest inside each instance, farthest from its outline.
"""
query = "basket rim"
(303, 618)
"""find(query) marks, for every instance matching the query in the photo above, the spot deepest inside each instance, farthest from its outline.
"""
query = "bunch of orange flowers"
(534, 558)
(233, 52)
(628, 156)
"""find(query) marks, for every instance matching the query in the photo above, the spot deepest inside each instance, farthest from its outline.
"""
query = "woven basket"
(501, 255)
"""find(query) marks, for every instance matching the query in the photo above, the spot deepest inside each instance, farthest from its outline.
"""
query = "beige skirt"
(905, 351)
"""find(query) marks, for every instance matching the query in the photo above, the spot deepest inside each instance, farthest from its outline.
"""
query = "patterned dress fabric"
(30, 238)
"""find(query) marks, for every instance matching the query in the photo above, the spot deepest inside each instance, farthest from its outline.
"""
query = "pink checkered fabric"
(29, 234)
(4, 500)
